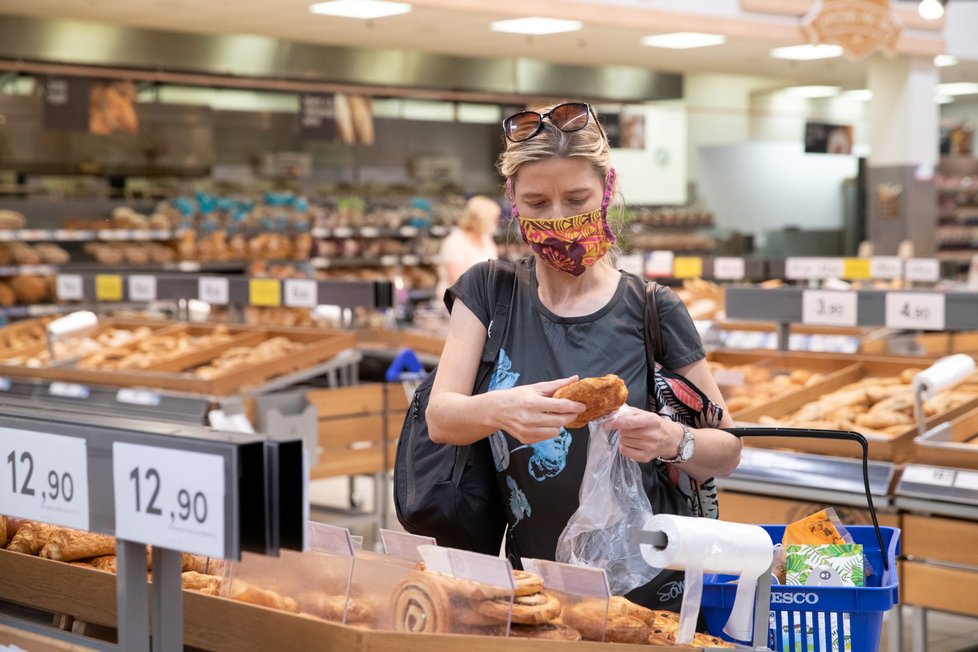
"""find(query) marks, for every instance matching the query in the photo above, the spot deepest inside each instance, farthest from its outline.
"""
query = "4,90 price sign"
(44, 477)
(169, 498)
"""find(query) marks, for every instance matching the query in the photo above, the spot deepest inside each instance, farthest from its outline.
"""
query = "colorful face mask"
(570, 244)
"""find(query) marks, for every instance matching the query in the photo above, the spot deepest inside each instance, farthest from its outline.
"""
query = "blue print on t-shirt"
(549, 456)
(502, 378)
(518, 504)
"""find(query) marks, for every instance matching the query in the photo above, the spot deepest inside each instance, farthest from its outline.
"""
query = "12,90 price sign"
(44, 477)
(169, 498)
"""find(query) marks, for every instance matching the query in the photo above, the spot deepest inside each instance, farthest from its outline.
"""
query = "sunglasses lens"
(522, 125)
(570, 117)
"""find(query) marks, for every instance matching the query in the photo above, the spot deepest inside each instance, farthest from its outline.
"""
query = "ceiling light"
(958, 88)
(930, 9)
(683, 40)
(858, 95)
(945, 60)
(943, 99)
(810, 92)
(807, 52)
(366, 9)
(536, 26)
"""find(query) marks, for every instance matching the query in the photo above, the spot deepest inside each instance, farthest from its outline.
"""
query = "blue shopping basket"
(821, 619)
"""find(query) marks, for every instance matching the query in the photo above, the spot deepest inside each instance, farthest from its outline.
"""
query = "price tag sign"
(142, 288)
(213, 290)
(923, 270)
(687, 267)
(369, 232)
(966, 480)
(729, 269)
(330, 539)
(70, 287)
(828, 308)
(408, 232)
(886, 267)
(659, 264)
(632, 263)
(342, 232)
(301, 293)
(108, 287)
(404, 545)
(169, 498)
(389, 261)
(915, 310)
(484, 569)
(929, 475)
(856, 269)
(567, 578)
(265, 292)
(803, 269)
(728, 377)
(68, 390)
(143, 397)
(410, 260)
(44, 477)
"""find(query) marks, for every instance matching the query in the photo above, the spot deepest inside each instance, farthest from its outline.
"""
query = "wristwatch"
(686, 447)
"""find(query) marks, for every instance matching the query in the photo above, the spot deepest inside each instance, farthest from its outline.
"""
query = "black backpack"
(450, 492)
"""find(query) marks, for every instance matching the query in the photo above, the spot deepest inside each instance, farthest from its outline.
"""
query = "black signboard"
(66, 103)
(825, 138)
(317, 117)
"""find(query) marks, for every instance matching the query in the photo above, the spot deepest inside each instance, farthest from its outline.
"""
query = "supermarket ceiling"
(611, 33)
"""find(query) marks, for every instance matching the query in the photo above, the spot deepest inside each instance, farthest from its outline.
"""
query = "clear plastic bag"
(612, 498)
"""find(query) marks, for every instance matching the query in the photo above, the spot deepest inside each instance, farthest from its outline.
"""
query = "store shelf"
(371, 232)
(381, 261)
(45, 309)
(72, 235)
(29, 270)
(949, 491)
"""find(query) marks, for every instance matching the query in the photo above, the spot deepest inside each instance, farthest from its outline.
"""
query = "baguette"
(31, 537)
(69, 545)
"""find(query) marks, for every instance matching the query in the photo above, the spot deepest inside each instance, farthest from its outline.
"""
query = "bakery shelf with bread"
(873, 398)
(955, 446)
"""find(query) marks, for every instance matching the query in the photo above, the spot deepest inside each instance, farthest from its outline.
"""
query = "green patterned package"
(824, 565)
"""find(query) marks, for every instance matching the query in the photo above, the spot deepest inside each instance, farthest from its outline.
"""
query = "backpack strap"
(653, 330)
(502, 287)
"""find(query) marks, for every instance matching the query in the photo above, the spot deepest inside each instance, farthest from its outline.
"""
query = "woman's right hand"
(530, 414)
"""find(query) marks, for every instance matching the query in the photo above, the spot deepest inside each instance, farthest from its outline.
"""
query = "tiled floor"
(945, 632)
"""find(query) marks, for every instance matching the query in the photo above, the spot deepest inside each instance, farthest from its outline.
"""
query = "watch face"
(689, 444)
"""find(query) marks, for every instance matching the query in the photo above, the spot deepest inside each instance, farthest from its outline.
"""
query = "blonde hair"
(478, 212)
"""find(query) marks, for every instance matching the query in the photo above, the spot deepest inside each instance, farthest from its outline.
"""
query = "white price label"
(301, 293)
(389, 261)
(213, 290)
(7, 235)
(632, 263)
(915, 310)
(729, 269)
(436, 559)
(828, 308)
(929, 475)
(439, 231)
(138, 397)
(966, 480)
(659, 264)
(68, 390)
(924, 270)
(142, 288)
(70, 287)
(404, 545)
(570, 579)
(410, 260)
(369, 232)
(803, 269)
(4, 384)
(408, 232)
(342, 232)
(330, 539)
(728, 378)
(886, 267)
(484, 569)
(44, 477)
(169, 498)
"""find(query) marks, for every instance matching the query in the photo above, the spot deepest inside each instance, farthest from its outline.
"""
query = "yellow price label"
(856, 269)
(687, 267)
(108, 287)
(265, 292)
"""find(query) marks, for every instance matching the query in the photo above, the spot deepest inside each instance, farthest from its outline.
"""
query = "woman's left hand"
(644, 436)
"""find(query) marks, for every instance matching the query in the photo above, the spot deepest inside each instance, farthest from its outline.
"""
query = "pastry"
(69, 545)
(245, 592)
(526, 610)
(190, 562)
(201, 583)
(336, 607)
(3, 531)
(550, 631)
(526, 583)
(420, 603)
(598, 620)
(107, 563)
(31, 537)
(602, 396)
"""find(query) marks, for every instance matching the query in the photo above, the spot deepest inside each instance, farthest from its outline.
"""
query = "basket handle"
(811, 433)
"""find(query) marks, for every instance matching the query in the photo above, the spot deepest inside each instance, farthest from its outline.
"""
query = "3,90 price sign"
(44, 477)
(169, 498)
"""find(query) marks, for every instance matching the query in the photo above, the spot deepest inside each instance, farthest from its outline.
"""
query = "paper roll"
(943, 373)
(702, 545)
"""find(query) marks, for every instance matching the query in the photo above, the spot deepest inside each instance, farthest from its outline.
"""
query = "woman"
(468, 244)
(573, 315)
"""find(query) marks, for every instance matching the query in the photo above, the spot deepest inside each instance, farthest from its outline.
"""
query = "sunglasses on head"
(568, 117)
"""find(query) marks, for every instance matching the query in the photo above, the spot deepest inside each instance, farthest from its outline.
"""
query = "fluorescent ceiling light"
(958, 88)
(858, 95)
(807, 52)
(536, 25)
(683, 40)
(930, 9)
(366, 9)
(945, 60)
(943, 99)
(809, 92)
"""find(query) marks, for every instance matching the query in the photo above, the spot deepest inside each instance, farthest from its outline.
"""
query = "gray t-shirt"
(540, 482)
